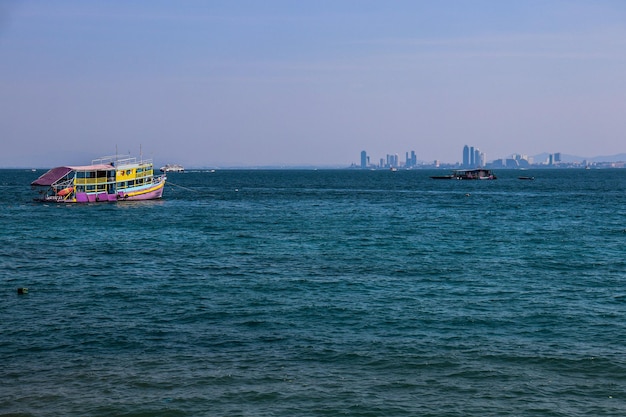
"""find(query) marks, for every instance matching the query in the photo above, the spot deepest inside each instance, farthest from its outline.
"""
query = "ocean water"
(318, 293)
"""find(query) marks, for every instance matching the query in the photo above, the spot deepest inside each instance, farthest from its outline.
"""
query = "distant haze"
(239, 83)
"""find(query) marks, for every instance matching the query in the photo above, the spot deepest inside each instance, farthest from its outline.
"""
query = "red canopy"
(52, 176)
(57, 173)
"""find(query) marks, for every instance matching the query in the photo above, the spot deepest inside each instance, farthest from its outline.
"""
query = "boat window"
(80, 174)
(91, 188)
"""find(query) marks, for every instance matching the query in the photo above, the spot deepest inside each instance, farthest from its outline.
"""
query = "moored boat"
(109, 178)
(467, 174)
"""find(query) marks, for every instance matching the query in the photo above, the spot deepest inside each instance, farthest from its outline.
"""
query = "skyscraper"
(411, 160)
(466, 157)
(481, 159)
(392, 161)
(363, 159)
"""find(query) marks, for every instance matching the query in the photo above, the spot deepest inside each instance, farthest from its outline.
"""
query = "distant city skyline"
(473, 157)
(283, 83)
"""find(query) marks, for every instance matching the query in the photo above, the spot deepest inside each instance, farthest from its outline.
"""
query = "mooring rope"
(180, 186)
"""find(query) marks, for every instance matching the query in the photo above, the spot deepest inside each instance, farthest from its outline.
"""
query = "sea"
(318, 293)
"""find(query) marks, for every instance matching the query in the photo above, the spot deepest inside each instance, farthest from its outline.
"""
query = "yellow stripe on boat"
(148, 190)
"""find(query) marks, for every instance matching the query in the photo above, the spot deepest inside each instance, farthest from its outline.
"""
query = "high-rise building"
(411, 161)
(466, 156)
(363, 159)
(392, 161)
(472, 162)
(477, 159)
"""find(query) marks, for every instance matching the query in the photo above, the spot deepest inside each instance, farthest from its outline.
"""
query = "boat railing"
(119, 160)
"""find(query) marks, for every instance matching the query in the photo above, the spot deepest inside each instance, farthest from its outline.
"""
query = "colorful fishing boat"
(110, 178)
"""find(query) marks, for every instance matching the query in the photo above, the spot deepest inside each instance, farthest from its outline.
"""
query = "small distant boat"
(172, 168)
(467, 174)
(110, 178)
(526, 178)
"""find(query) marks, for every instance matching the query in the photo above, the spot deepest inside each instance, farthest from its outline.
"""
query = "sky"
(288, 83)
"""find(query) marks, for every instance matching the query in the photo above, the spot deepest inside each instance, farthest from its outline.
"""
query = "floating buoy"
(22, 290)
(467, 194)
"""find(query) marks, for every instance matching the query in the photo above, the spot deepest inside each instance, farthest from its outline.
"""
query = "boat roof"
(57, 173)
(472, 170)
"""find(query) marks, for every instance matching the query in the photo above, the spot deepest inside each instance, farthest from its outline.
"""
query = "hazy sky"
(287, 82)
